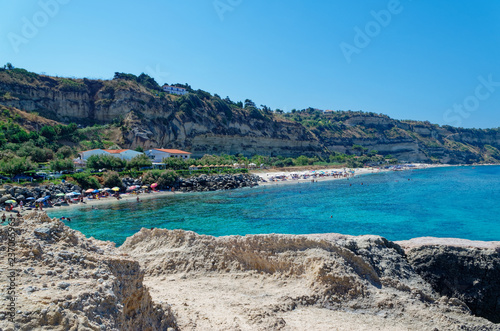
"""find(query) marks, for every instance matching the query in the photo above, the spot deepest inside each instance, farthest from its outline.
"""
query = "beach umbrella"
(60, 194)
(10, 201)
(116, 188)
(106, 189)
(40, 200)
(90, 190)
(75, 193)
(30, 198)
(154, 185)
(95, 191)
(144, 186)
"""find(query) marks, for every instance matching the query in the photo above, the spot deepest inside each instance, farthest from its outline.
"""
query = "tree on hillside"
(17, 165)
(62, 165)
(249, 103)
(148, 82)
(105, 162)
(139, 162)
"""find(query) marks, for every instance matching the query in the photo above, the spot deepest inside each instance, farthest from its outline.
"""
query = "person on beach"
(138, 200)
(4, 217)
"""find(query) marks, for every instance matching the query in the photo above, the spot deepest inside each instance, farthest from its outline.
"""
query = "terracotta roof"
(90, 150)
(171, 151)
(115, 151)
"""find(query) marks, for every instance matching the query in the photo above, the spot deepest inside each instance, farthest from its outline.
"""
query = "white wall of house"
(174, 90)
(126, 154)
(157, 155)
(86, 154)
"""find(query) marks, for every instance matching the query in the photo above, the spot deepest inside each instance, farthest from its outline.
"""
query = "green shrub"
(17, 165)
(163, 178)
(69, 85)
(60, 165)
(85, 180)
(111, 179)
(138, 162)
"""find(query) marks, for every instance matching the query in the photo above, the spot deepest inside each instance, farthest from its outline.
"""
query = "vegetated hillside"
(141, 115)
(198, 121)
(358, 132)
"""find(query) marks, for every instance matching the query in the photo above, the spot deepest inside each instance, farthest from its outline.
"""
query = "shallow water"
(458, 202)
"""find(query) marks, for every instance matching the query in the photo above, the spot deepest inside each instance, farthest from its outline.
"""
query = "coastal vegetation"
(41, 136)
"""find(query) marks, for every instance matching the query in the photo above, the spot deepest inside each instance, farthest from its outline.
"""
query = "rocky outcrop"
(470, 274)
(53, 278)
(218, 182)
(24, 193)
(61, 280)
(261, 281)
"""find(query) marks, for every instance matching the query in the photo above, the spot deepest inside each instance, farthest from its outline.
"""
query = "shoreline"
(408, 243)
(127, 197)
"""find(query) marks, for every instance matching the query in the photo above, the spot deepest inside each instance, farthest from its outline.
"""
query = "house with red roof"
(156, 155)
(125, 154)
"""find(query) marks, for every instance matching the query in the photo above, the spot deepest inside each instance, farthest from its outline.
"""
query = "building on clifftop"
(174, 90)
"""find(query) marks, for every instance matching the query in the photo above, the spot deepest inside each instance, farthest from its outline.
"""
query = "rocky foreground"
(54, 278)
(161, 279)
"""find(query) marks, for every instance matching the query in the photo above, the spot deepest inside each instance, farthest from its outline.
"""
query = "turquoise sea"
(457, 202)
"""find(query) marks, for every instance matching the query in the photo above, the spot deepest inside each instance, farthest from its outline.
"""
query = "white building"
(125, 154)
(86, 154)
(156, 155)
(174, 90)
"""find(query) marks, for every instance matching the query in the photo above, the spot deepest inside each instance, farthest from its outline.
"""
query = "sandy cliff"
(174, 279)
(61, 280)
(203, 123)
(286, 282)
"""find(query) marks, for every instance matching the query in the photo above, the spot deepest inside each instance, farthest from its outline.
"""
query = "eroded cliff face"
(61, 280)
(201, 123)
(158, 121)
(287, 282)
(471, 274)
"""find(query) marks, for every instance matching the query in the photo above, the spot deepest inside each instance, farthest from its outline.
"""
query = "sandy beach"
(292, 177)
(269, 177)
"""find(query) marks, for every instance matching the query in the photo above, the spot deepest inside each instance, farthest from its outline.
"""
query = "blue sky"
(423, 60)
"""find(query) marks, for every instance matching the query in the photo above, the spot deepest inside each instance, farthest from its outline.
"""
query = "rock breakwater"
(24, 193)
(218, 182)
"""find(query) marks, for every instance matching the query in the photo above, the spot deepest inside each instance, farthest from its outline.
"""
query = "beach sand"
(264, 174)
